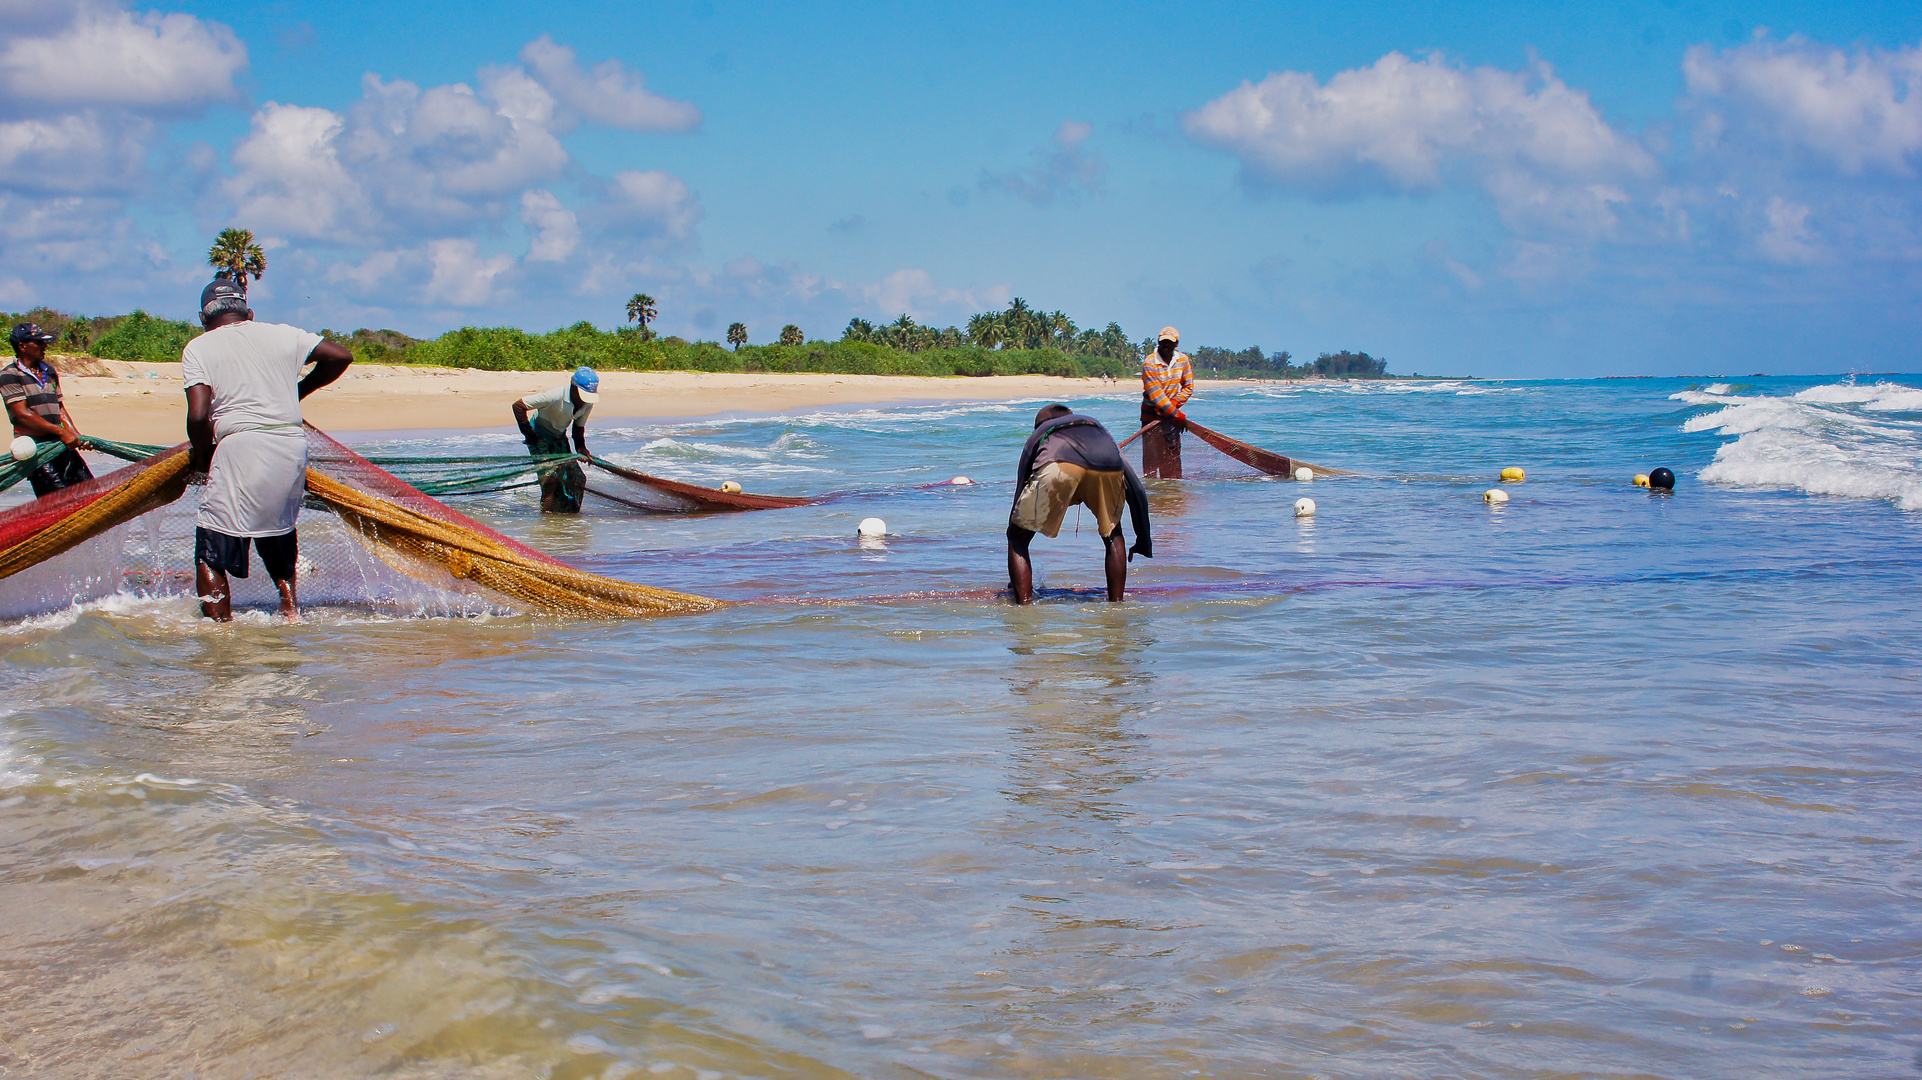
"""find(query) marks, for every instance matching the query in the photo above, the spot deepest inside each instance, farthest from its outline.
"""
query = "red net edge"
(23, 521)
(333, 458)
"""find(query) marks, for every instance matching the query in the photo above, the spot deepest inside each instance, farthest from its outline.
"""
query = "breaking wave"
(1839, 439)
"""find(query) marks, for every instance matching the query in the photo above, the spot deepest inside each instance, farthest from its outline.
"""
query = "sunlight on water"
(1599, 782)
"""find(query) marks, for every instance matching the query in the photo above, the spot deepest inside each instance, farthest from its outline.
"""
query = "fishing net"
(1207, 454)
(386, 544)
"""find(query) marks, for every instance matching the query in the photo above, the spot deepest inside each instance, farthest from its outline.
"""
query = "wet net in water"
(385, 544)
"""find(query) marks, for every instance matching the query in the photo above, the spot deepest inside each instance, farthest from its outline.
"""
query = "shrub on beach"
(140, 336)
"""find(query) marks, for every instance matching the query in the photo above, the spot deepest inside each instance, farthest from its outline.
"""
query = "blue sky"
(1516, 190)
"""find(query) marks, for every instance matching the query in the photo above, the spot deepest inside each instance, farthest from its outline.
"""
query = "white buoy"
(24, 448)
(1303, 472)
(960, 481)
(731, 487)
(1494, 496)
(872, 529)
(1304, 508)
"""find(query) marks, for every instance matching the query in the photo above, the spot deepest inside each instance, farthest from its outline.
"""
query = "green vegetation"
(1018, 341)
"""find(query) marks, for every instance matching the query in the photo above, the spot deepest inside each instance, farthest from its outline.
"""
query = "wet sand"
(135, 402)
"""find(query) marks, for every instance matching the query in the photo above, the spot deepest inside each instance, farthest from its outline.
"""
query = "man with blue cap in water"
(544, 420)
(244, 390)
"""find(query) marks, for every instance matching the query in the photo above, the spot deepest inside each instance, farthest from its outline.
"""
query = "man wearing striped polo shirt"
(31, 389)
(1167, 382)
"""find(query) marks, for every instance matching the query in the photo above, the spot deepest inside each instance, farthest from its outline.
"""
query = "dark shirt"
(38, 387)
(1075, 439)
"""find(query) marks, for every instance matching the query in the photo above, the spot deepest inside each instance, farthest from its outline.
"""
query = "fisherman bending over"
(31, 388)
(243, 418)
(544, 419)
(1167, 382)
(1071, 459)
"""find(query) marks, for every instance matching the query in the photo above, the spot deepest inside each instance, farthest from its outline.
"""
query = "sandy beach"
(137, 402)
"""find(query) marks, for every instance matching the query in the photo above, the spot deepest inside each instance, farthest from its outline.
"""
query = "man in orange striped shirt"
(1167, 382)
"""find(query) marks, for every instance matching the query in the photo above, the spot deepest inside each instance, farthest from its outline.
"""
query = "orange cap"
(1169, 333)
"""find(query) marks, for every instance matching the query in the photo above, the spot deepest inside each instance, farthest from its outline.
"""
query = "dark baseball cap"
(26, 332)
(222, 294)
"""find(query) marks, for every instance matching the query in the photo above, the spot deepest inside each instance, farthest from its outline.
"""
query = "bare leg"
(1020, 570)
(289, 604)
(1116, 564)
(217, 603)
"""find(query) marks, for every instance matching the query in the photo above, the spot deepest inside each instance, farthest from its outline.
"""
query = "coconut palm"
(737, 335)
(235, 255)
(791, 335)
(641, 309)
(858, 330)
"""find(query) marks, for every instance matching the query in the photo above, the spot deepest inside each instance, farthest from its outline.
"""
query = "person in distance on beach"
(544, 420)
(1071, 459)
(31, 388)
(1167, 382)
(244, 390)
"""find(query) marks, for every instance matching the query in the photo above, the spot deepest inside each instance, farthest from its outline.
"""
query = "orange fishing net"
(404, 529)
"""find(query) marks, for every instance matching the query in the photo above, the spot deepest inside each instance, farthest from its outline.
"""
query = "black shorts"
(62, 472)
(229, 553)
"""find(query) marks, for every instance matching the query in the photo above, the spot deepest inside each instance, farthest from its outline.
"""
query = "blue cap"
(588, 383)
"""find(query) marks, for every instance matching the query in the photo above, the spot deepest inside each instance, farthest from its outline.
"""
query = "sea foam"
(1837, 439)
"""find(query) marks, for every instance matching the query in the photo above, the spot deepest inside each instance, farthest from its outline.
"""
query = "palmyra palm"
(737, 335)
(641, 309)
(235, 255)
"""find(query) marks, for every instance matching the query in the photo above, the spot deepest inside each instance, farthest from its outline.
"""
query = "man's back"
(253, 369)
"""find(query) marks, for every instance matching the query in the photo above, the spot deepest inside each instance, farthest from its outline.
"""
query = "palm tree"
(641, 309)
(984, 329)
(791, 335)
(858, 330)
(737, 335)
(235, 255)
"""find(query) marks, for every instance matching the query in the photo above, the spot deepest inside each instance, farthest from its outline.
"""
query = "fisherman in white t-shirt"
(243, 418)
(545, 419)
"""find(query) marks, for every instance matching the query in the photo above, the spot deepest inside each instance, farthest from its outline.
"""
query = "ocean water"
(1599, 782)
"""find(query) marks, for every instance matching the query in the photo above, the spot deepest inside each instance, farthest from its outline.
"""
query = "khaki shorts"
(1058, 485)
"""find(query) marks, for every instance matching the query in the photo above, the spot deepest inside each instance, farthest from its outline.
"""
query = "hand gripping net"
(390, 545)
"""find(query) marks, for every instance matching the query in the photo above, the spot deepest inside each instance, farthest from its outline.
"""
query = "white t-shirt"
(253, 368)
(554, 410)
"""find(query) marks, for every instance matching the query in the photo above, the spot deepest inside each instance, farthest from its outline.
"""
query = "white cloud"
(103, 55)
(461, 277)
(402, 161)
(1855, 113)
(1536, 145)
(89, 151)
(649, 204)
(610, 93)
(555, 230)
(1786, 237)
(1062, 169)
(914, 292)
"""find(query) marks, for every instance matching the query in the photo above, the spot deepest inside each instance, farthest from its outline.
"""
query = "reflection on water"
(1596, 786)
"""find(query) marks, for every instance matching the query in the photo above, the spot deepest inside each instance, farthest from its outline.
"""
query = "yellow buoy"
(1641, 479)
(730, 487)
(1513, 475)
(1494, 496)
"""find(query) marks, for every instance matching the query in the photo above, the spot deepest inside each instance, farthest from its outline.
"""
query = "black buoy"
(1661, 480)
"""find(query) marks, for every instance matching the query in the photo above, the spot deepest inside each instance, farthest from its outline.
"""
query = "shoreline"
(143, 402)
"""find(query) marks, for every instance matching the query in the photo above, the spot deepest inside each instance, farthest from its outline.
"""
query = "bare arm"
(200, 425)
(330, 362)
(521, 412)
(580, 440)
(29, 423)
